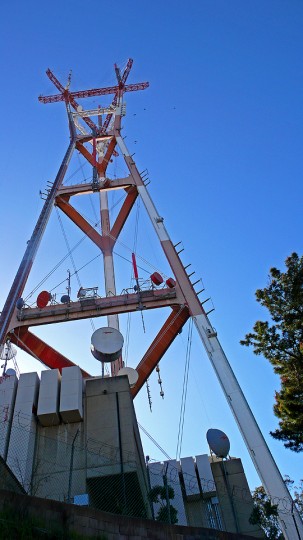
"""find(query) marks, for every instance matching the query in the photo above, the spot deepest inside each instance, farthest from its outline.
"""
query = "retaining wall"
(95, 523)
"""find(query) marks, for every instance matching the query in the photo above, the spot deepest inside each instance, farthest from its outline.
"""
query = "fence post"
(166, 493)
(71, 467)
(149, 488)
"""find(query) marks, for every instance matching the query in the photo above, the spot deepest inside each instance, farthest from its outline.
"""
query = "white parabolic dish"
(106, 344)
(132, 374)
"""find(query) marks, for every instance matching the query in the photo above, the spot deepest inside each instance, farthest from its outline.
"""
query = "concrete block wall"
(60, 462)
(173, 470)
(205, 473)
(196, 507)
(8, 390)
(49, 393)
(71, 398)
(21, 404)
(71, 458)
(189, 474)
(99, 438)
(155, 472)
(110, 421)
(99, 435)
(56, 457)
(113, 441)
(234, 497)
(101, 422)
(216, 493)
(191, 508)
(23, 431)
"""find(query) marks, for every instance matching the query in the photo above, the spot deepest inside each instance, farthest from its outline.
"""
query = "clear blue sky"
(220, 131)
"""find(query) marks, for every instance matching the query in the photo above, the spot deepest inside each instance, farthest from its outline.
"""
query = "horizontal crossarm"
(93, 92)
(96, 307)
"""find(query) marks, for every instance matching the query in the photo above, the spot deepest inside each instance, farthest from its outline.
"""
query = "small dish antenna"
(218, 442)
(43, 299)
(10, 372)
(20, 303)
(156, 278)
(132, 374)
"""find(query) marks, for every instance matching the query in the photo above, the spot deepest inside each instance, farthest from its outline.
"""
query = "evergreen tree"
(296, 492)
(265, 514)
(162, 495)
(281, 342)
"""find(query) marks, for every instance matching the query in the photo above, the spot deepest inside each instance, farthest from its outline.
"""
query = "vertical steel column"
(109, 269)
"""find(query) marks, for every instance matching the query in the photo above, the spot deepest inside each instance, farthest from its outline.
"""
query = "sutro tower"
(99, 143)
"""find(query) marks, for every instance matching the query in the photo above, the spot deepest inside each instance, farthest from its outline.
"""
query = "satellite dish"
(10, 372)
(218, 442)
(20, 303)
(65, 299)
(106, 344)
(132, 374)
(43, 299)
(156, 278)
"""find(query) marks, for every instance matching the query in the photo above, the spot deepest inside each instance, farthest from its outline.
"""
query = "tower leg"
(20, 280)
(270, 476)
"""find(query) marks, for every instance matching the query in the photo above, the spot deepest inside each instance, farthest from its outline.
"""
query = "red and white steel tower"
(99, 143)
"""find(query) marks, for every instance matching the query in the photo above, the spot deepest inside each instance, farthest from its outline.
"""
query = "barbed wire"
(92, 454)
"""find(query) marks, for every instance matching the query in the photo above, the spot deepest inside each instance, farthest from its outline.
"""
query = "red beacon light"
(156, 278)
(43, 299)
(170, 282)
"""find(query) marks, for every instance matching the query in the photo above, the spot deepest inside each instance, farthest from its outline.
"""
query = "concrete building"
(208, 492)
(77, 440)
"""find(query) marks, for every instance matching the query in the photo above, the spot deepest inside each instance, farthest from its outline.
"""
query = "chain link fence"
(59, 463)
